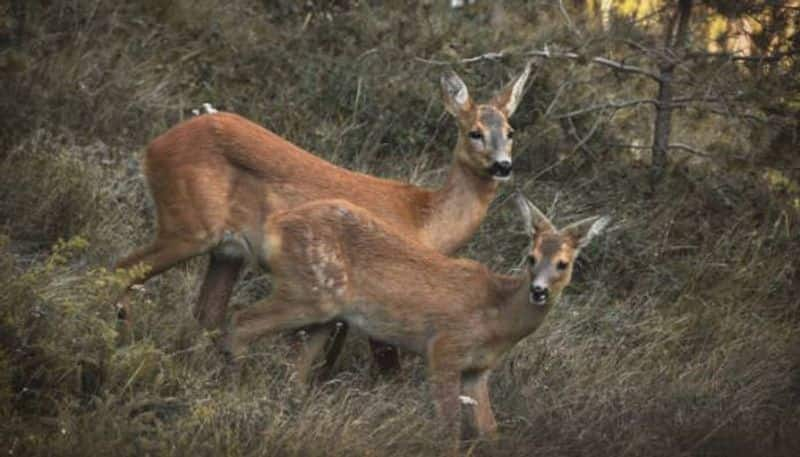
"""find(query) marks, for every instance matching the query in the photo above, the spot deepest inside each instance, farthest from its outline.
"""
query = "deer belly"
(389, 331)
(235, 245)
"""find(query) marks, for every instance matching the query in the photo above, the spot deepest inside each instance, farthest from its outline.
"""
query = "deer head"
(554, 251)
(485, 136)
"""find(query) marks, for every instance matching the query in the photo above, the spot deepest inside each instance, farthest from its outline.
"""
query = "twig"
(547, 54)
(734, 57)
(555, 98)
(682, 146)
(582, 141)
(570, 24)
(487, 56)
(686, 147)
(683, 102)
(602, 106)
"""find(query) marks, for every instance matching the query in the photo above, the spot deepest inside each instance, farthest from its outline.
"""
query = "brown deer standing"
(215, 178)
(333, 261)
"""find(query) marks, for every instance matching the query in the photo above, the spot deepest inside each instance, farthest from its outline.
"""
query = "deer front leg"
(445, 381)
(476, 386)
(159, 256)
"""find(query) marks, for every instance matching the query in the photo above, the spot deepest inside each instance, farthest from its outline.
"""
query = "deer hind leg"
(221, 275)
(476, 386)
(337, 334)
(385, 356)
(310, 349)
(271, 315)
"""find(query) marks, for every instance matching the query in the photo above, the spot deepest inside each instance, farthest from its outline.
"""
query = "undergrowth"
(678, 336)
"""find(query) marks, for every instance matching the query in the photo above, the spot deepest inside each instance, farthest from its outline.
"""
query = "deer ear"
(582, 232)
(535, 221)
(456, 96)
(509, 97)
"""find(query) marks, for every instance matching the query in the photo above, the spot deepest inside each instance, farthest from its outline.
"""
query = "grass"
(678, 336)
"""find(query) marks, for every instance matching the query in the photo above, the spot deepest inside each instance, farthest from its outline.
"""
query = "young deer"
(333, 261)
(215, 177)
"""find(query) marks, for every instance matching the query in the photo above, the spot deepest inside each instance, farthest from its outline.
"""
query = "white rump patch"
(465, 400)
(460, 3)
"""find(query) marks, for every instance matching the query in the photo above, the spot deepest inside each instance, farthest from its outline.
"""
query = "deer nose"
(538, 295)
(501, 168)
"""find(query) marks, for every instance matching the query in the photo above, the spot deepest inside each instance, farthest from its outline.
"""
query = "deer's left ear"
(582, 232)
(509, 97)
(455, 94)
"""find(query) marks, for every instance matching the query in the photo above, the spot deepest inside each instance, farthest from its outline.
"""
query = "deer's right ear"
(508, 99)
(535, 221)
(456, 96)
(583, 231)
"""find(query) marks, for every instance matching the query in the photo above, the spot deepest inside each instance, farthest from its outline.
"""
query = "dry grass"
(679, 335)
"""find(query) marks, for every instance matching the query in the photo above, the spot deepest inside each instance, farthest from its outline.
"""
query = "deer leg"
(270, 316)
(476, 386)
(337, 335)
(123, 302)
(216, 290)
(385, 356)
(310, 349)
(445, 381)
(159, 256)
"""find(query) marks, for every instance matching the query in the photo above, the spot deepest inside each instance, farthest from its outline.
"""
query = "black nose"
(538, 294)
(501, 168)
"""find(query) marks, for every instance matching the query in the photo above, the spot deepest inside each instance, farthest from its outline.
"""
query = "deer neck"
(457, 208)
(516, 316)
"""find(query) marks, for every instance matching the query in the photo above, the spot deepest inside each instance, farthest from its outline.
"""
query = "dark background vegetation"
(680, 334)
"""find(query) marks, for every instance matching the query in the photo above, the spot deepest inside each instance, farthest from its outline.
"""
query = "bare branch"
(681, 146)
(734, 57)
(487, 56)
(729, 113)
(581, 142)
(623, 67)
(677, 103)
(616, 65)
(687, 148)
(547, 54)
(603, 106)
(570, 24)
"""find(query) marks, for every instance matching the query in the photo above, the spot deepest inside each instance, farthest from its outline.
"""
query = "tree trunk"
(675, 39)
(19, 11)
(662, 126)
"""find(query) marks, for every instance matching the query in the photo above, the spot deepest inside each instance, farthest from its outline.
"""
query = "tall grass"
(678, 336)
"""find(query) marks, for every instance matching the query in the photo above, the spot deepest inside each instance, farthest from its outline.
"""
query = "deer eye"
(531, 260)
(510, 134)
(562, 265)
(476, 134)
